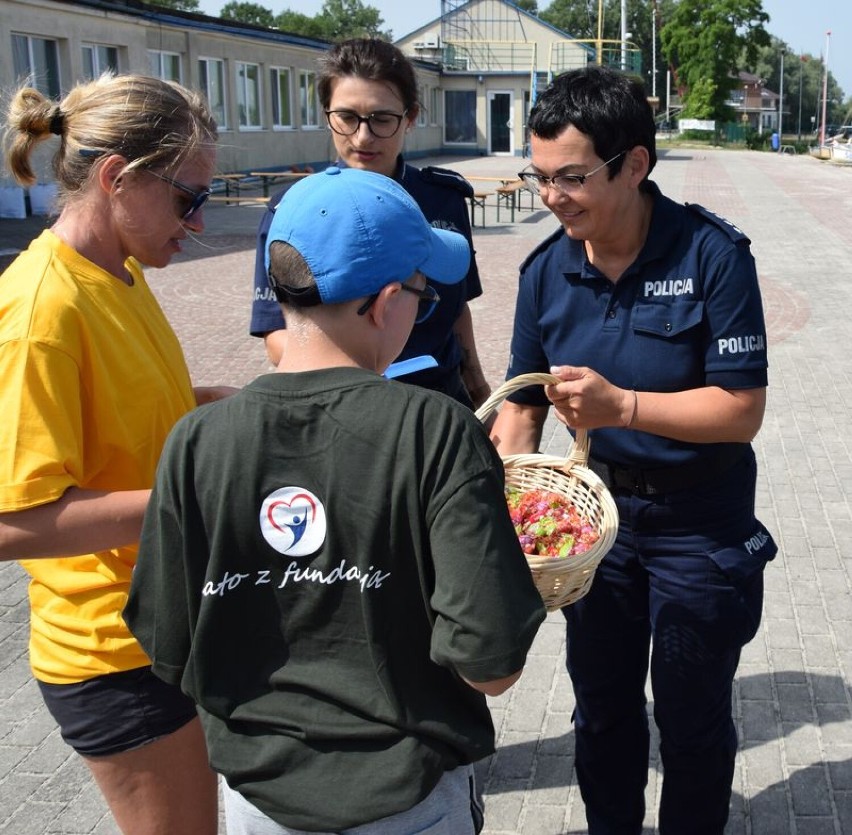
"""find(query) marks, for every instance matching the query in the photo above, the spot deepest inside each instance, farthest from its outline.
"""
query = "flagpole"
(824, 91)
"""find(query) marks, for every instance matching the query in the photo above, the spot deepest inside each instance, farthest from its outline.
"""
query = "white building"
(478, 64)
(493, 57)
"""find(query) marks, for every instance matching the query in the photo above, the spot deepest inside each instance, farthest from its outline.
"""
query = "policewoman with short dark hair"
(650, 313)
(368, 90)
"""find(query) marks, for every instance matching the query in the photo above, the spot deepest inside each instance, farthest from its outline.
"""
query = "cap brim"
(449, 260)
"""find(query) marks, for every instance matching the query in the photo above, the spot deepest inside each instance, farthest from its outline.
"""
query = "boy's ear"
(383, 307)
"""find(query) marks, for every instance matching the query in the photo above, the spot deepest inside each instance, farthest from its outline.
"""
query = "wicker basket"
(561, 580)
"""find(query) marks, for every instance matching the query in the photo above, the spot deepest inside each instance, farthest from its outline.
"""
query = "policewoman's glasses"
(564, 183)
(382, 124)
(428, 296)
(199, 198)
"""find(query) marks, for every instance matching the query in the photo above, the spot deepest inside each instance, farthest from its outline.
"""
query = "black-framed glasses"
(565, 183)
(382, 124)
(428, 301)
(199, 198)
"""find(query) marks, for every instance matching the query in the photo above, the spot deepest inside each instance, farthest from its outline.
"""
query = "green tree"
(707, 40)
(337, 20)
(300, 24)
(644, 22)
(803, 76)
(579, 18)
(248, 13)
(529, 6)
(177, 5)
(352, 19)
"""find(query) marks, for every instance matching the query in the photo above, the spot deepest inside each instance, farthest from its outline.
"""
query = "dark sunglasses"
(199, 198)
(428, 296)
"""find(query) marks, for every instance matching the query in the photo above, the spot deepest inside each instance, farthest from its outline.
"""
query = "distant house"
(755, 105)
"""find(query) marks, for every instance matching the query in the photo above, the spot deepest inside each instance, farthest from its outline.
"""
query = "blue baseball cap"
(359, 231)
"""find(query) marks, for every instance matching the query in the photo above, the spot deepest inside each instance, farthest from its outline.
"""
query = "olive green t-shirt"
(324, 554)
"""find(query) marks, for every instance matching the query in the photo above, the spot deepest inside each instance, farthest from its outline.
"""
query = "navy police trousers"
(682, 589)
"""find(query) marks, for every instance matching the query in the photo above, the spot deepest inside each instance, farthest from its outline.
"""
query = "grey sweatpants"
(452, 808)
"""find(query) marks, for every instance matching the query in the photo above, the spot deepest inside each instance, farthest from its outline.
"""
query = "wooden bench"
(273, 178)
(477, 201)
(507, 196)
(238, 199)
(231, 181)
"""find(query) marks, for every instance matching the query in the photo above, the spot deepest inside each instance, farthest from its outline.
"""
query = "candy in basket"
(557, 496)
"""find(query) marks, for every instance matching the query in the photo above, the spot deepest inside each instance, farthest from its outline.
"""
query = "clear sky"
(802, 25)
(400, 16)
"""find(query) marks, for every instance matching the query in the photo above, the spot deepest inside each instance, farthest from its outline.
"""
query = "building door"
(500, 124)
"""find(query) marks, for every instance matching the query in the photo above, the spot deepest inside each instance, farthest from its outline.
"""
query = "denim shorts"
(452, 808)
(116, 712)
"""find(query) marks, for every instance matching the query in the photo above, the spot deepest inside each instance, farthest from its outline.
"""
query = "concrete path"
(792, 701)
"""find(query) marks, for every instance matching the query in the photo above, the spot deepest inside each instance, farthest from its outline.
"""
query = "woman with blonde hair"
(93, 380)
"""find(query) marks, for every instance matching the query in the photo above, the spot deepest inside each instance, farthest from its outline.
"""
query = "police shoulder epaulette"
(734, 233)
(446, 178)
(545, 244)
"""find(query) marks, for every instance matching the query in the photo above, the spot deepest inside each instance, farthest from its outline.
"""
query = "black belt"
(647, 482)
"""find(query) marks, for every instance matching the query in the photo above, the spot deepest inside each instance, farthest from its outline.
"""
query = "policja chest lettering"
(669, 287)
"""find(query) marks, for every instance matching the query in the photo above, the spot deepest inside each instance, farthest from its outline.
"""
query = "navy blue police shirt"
(686, 314)
(440, 194)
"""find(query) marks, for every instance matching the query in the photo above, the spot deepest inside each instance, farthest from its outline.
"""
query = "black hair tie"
(57, 122)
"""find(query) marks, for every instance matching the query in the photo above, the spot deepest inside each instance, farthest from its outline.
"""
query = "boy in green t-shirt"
(327, 565)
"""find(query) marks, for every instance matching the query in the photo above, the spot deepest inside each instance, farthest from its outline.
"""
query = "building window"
(434, 104)
(308, 101)
(248, 95)
(36, 62)
(282, 112)
(421, 114)
(98, 59)
(460, 110)
(211, 80)
(165, 65)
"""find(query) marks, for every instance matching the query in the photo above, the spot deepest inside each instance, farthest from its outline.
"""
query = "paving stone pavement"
(793, 696)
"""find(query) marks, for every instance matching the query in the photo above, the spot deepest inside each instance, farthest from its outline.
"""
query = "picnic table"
(508, 194)
(477, 201)
(271, 178)
(232, 182)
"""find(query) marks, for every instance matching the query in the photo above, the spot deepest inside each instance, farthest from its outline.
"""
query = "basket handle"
(579, 452)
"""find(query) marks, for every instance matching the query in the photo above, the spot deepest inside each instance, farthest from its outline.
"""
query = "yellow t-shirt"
(93, 380)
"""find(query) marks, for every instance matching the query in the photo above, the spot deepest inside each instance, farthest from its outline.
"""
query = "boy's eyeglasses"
(382, 124)
(565, 183)
(199, 198)
(428, 296)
